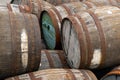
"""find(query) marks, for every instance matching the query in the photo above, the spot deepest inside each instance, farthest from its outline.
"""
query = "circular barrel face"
(48, 31)
(71, 44)
(112, 77)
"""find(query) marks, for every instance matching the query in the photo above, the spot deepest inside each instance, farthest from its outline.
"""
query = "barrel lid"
(48, 31)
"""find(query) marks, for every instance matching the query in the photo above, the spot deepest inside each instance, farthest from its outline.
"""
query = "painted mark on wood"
(96, 60)
(24, 48)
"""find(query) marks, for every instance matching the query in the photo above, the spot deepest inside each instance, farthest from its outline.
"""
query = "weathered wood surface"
(105, 2)
(4, 2)
(15, 8)
(35, 6)
(113, 75)
(53, 59)
(59, 2)
(51, 25)
(91, 38)
(20, 43)
(57, 74)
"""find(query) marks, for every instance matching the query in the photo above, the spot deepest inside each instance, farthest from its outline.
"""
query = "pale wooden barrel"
(113, 75)
(15, 8)
(18, 8)
(51, 25)
(20, 43)
(91, 38)
(57, 74)
(105, 2)
(53, 59)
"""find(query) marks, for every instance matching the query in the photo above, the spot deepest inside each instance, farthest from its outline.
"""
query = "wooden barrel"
(113, 75)
(105, 2)
(53, 59)
(18, 8)
(59, 2)
(91, 38)
(35, 6)
(15, 8)
(57, 74)
(5, 2)
(20, 43)
(51, 25)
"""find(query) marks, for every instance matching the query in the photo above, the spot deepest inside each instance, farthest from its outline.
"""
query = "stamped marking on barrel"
(96, 60)
(25, 76)
(24, 48)
(109, 12)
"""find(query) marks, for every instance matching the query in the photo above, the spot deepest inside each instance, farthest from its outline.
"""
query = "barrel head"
(48, 31)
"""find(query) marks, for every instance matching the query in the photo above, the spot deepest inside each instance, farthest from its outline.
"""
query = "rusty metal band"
(37, 42)
(30, 5)
(114, 72)
(88, 4)
(32, 77)
(102, 36)
(62, 59)
(36, 54)
(86, 57)
(58, 2)
(58, 13)
(117, 1)
(16, 78)
(9, 7)
(110, 2)
(13, 34)
(67, 9)
(49, 59)
(85, 75)
(21, 9)
(40, 4)
(57, 30)
(71, 74)
(79, 31)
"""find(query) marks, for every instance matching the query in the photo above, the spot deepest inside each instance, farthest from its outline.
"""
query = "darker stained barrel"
(59, 2)
(33, 6)
(53, 59)
(51, 25)
(57, 74)
(20, 43)
(113, 75)
(91, 38)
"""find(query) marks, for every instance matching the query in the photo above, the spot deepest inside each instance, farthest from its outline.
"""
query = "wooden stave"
(70, 74)
(102, 63)
(35, 6)
(16, 58)
(48, 60)
(59, 2)
(105, 2)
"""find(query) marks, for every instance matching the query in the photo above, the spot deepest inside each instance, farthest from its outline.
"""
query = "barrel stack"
(59, 39)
